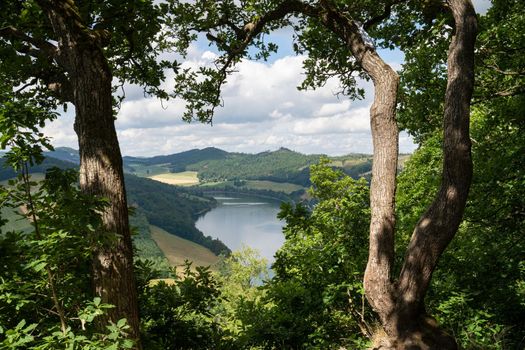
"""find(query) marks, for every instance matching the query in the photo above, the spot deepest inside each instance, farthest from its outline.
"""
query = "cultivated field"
(185, 178)
(178, 249)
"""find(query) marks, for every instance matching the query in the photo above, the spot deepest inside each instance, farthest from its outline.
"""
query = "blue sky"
(262, 111)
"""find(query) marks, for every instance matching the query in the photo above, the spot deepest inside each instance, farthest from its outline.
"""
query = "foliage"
(489, 235)
(485, 310)
(178, 315)
(241, 276)
(131, 36)
(44, 281)
(314, 299)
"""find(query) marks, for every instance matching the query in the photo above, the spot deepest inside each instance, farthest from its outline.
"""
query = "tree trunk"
(439, 224)
(400, 306)
(101, 171)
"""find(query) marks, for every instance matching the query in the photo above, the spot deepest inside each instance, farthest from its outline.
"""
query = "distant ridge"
(213, 164)
(179, 161)
(66, 154)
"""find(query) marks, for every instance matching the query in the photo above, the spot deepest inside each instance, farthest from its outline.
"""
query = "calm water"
(241, 220)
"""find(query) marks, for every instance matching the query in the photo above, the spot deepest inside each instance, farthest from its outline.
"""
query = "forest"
(428, 257)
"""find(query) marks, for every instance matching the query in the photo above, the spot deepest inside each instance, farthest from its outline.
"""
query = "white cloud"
(263, 110)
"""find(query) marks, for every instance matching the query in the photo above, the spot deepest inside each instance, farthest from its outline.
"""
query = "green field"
(185, 178)
(273, 186)
(284, 187)
(178, 249)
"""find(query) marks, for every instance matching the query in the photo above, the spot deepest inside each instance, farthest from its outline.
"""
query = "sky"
(263, 110)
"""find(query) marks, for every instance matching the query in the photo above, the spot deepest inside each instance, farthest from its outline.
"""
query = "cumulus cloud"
(263, 110)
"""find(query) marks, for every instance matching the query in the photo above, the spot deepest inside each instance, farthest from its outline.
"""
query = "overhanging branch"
(46, 47)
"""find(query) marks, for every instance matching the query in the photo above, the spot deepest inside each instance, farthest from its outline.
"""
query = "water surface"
(243, 220)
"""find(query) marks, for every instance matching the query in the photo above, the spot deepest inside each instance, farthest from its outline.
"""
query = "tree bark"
(439, 224)
(101, 171)
(400, 305)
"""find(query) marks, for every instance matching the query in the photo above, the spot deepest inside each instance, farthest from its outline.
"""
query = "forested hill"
(212, 164)
(179, 161)
(8, 173)
(174, 209)
(282, 165)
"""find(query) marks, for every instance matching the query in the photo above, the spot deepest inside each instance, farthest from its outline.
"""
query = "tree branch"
(46, 47)
(386, 14)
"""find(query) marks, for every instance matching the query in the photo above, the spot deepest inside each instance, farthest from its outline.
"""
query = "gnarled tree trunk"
(101, 171)
(400, 305)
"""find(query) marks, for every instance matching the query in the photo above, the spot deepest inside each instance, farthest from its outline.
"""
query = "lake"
(242, 220)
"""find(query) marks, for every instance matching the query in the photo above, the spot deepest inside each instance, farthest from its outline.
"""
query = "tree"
(337, 44)
(44, 283)
(490, 234)
(65, 51)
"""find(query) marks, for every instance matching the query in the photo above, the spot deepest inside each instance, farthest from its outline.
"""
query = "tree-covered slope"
(64, 153)
(8, 173)
(213, 164)
(282, 165)
(171, 208)
(179, 161)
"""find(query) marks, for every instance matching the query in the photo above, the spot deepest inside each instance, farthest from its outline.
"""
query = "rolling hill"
(174, 209)
(216, 165)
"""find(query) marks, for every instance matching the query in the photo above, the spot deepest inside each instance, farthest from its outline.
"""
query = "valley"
(170, 194)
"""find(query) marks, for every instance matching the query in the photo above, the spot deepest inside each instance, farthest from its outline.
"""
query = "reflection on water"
(243, 220)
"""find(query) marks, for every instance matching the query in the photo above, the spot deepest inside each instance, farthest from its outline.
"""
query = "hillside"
(177, 162)
(282, 165)
(214, 165)
(172, 208)
(8, 173)
(177, 249)
(64, 153)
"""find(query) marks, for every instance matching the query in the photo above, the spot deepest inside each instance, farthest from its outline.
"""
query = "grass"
(273, 186)
(185, 178)
(284, 187)
(178, 249)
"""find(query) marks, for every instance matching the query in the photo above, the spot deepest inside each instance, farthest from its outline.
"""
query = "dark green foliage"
(45, 291)
(127, 30)
(477, 290)
(468, 291)
(178, 315)
(317, 271)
